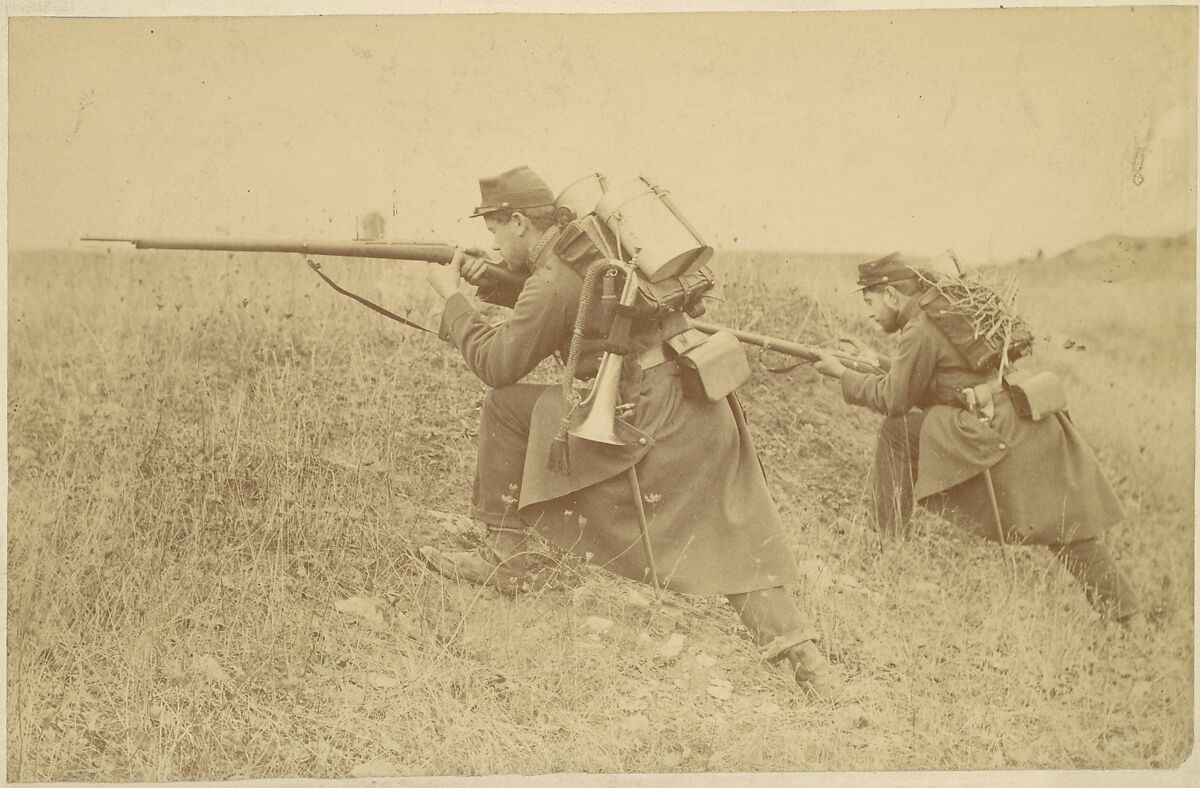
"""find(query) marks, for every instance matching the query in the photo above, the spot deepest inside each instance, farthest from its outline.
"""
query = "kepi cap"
(513, 190)
(892, 268)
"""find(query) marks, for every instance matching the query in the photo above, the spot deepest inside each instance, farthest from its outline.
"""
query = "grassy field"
(220, 471)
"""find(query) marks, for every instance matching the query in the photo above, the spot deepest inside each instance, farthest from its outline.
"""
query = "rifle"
(496, 275)
(794, 349)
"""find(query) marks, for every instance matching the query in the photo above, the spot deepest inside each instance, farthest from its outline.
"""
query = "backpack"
(977, 322)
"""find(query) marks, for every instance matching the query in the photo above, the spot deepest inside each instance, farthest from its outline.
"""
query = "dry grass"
(206, 454)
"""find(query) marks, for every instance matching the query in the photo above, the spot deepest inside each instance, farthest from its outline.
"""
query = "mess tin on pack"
(640, 223)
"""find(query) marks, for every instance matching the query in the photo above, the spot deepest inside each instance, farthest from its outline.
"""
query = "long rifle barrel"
(794, 349)
(380, 250)
(385, 250)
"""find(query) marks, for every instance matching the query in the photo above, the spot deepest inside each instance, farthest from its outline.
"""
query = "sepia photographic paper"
(547, 393)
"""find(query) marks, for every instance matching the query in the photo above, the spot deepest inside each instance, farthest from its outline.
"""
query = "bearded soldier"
(712, 524)
(954, 442)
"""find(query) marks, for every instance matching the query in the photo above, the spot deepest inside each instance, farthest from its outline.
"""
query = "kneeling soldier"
(954, 442)
(713, 525)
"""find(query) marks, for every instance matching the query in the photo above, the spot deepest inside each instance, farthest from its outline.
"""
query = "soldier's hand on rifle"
(857, 348)
(828, 365)
(445, 278)
(474, 265)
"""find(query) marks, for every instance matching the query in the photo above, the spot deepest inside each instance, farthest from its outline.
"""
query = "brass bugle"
(601, 401)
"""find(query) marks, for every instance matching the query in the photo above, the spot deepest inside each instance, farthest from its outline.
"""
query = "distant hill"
(1111, 258)
(1115, 258)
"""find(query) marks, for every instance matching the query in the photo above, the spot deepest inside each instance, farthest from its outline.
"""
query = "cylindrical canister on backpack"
(646, 223)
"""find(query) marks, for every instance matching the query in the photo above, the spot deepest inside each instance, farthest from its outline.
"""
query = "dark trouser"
(895, 472)
(773, 619)
(503, 438)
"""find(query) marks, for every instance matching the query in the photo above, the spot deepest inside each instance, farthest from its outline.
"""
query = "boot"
(501, 562)
(813, 672)
(784, 632)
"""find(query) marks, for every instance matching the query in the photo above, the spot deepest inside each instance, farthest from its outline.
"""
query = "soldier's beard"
(890, 323)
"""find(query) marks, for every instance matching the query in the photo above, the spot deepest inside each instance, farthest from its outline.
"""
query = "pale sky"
(992, 132)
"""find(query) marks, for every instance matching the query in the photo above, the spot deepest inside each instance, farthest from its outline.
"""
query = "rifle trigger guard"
(762, 351)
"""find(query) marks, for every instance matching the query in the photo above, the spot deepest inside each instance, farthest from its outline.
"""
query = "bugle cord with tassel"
(608, 376)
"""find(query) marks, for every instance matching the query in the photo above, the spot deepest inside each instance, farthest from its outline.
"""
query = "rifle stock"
(439, 253)
(794, 349)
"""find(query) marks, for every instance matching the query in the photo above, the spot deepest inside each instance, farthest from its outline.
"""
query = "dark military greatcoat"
(713, 525)
(1049, 486)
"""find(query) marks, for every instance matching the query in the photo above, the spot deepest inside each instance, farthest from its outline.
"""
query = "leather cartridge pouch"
(711, 367)
(1036, 396)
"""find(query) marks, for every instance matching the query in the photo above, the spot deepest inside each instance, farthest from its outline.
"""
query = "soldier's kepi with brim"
(513, 191)
(884, 271)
